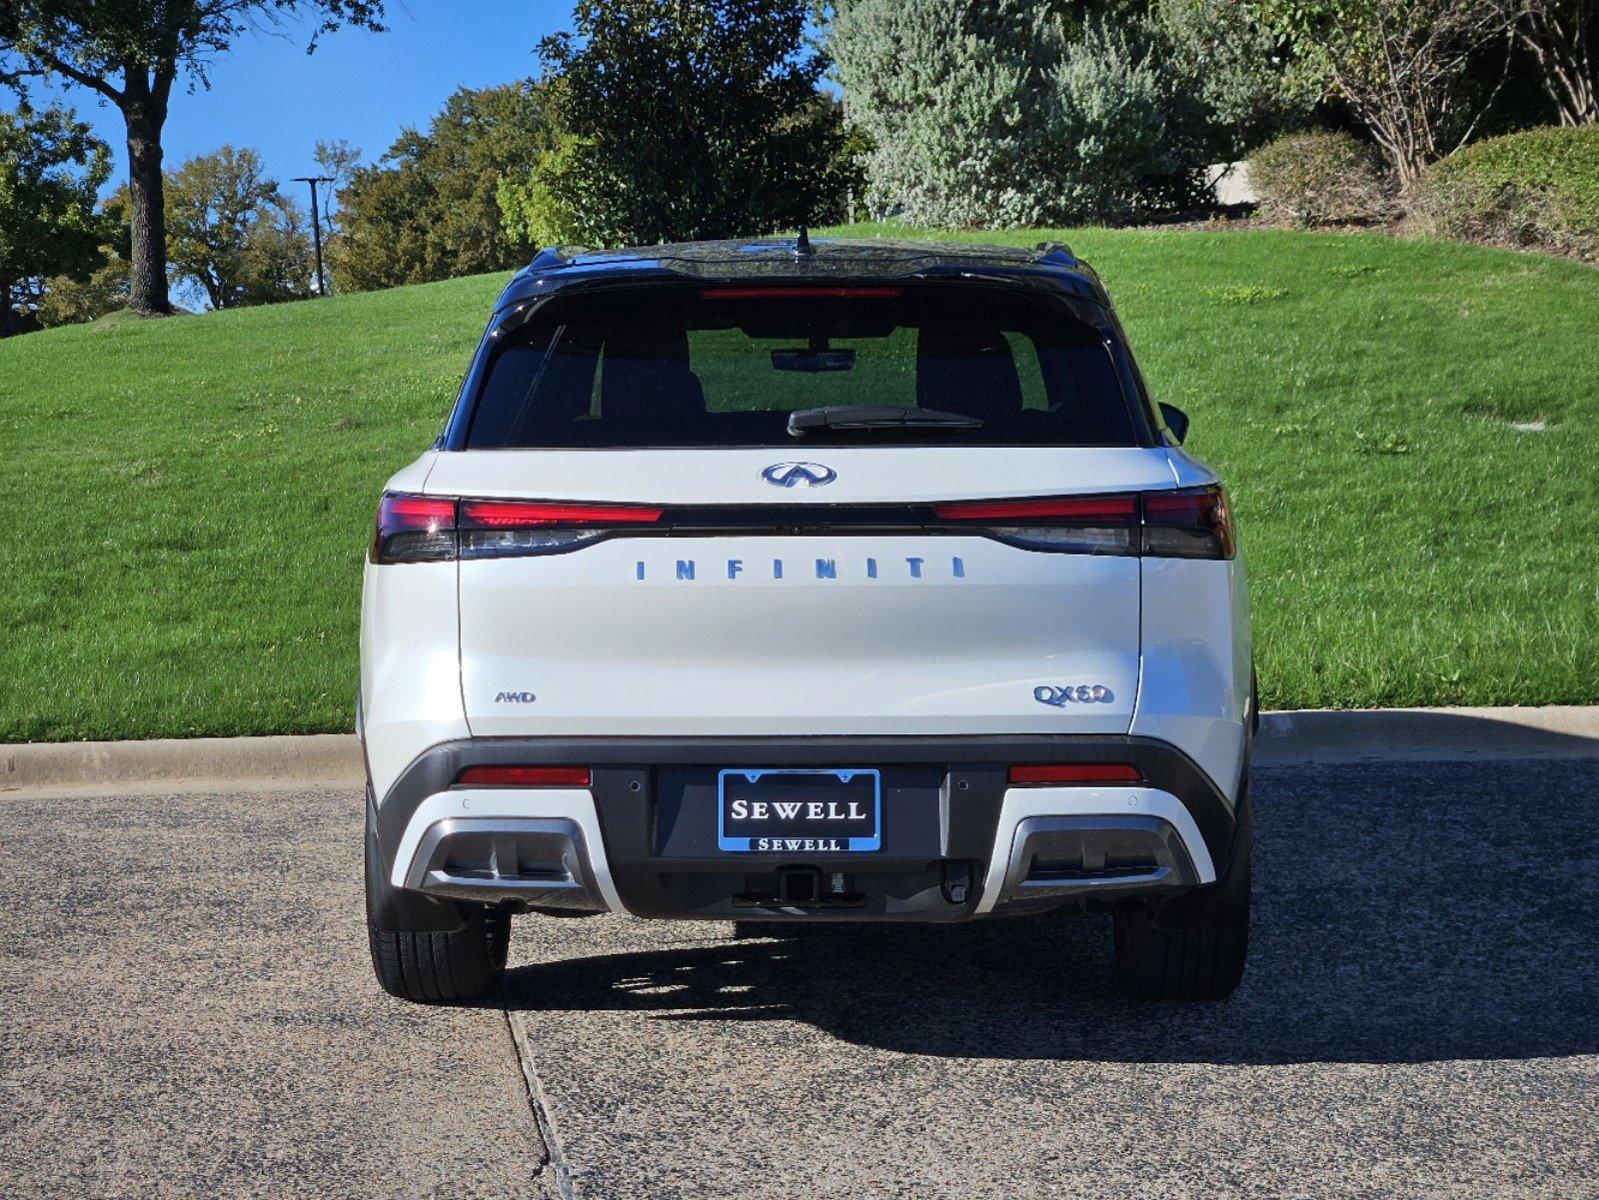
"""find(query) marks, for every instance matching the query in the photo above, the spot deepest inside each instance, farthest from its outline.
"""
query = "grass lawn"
(1410, 430)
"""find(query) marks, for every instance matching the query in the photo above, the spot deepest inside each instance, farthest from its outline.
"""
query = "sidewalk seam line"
(539, 1105)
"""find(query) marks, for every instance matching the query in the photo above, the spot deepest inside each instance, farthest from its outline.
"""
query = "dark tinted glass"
(668, 369)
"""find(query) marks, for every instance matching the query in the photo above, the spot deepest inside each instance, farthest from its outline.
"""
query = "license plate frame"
(778, 841)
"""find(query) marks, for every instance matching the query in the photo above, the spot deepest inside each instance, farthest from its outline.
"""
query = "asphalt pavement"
(186, 1010)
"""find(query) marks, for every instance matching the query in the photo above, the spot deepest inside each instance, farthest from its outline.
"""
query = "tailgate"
(825, 629)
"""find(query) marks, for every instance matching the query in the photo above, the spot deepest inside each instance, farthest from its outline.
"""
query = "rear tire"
(431, 951)
(1193, 947)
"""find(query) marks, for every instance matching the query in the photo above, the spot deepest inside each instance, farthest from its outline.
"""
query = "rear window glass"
(664, 368)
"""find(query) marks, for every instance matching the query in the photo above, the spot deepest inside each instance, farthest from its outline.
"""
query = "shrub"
(69, 301)
(1537, 190)
(1126, 133)
(1320, 179)
(1003, 114)
(1236, 68)
(951, 97)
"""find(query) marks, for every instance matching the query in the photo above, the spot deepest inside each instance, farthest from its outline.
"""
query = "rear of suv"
(784, 581)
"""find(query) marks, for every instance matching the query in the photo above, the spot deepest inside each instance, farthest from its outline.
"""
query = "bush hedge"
(1320, 178)
(1537, 190)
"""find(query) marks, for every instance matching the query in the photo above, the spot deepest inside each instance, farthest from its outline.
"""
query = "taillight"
(1045, 774)
(504, 528)
(413, 529)
(1191, 523)
(573, 777)
(1068, 525)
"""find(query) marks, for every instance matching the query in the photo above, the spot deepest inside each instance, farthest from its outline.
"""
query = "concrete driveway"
(186, 1010)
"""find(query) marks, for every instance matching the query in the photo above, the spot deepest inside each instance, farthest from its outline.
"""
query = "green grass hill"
(1410, 430)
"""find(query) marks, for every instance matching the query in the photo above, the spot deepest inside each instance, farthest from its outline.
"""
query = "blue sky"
(359, 86)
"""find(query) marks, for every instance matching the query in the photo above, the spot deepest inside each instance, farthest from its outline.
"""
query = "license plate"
(799, 811)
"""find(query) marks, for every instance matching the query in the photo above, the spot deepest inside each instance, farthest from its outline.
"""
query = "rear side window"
(731, 366)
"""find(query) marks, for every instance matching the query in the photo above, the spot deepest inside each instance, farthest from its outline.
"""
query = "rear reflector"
(576, 777)
(1044, 774)
(834, 292)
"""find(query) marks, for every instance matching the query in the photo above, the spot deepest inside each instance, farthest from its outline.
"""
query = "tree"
(1561, 36)
(233, 233)
(67, 300)
(951, 97)
(131, 53)
(1010, 113)
(1398, 64)
(1130, 138)
(679, 119)
(335, 160)
(428, 210)
(64, 300)
(51, 169)
(1239, 69)
(842, 187)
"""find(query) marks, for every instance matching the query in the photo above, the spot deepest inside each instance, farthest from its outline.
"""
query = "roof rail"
(1058, 253)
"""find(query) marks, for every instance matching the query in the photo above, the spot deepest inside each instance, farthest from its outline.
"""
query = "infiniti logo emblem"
(799, 474)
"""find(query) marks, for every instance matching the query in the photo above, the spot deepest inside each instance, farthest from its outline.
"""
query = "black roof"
(758, 260)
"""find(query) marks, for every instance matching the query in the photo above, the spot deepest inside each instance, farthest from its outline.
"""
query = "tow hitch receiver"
(957, 882)
(799, 887)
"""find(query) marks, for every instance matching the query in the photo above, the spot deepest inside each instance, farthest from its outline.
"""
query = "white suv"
(812, 582)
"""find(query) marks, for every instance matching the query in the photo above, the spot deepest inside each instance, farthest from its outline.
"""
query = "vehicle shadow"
(1404, 913)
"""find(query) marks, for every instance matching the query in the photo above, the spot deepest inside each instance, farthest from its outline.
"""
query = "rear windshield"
(725, 367)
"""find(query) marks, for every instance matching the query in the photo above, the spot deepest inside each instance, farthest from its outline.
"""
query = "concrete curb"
(1428, 734)
(1305, 735)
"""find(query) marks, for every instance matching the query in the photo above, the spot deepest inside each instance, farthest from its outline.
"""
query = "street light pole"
(316, 228)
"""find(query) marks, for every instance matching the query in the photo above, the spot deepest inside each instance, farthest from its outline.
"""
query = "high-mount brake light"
(567, 777)
(810, 292)
(1189, 523)
(414, 529)
(1046, 774)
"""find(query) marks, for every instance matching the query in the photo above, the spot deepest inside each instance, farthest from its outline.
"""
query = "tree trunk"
(1558, 37)
(145, 114)
(1396, 135)
(5, 308)
(1569, 79)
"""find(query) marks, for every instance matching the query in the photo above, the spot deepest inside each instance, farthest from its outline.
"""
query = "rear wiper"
(876, 416)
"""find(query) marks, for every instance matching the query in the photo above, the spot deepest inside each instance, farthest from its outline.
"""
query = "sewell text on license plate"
(799, 810)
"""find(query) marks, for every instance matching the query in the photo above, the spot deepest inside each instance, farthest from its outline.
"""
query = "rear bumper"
(958, 842)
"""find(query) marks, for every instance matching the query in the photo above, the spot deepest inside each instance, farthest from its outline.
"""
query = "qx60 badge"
(1082, 693)
(799, 474)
